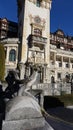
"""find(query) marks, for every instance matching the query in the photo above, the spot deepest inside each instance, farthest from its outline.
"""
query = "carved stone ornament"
(37, 20)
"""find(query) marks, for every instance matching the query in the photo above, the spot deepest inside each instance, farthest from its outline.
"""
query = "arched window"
(12, 55)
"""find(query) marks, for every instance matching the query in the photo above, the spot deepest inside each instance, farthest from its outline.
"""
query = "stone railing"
(53, 88)
(65, 52)
(61, 51)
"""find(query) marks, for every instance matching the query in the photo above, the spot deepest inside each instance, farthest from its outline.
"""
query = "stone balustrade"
(53, 89)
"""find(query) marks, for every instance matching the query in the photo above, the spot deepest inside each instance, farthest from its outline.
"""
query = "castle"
(36, 47)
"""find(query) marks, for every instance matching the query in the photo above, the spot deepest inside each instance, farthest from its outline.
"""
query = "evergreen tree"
(2, 62)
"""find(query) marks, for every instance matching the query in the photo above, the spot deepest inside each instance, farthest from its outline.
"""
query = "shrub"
(58, 101)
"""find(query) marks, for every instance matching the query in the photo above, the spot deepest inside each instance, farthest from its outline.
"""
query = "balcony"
(60, 51)
(37, 39)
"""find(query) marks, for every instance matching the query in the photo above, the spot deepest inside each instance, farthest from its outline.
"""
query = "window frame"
(12, 55)
(38, 3)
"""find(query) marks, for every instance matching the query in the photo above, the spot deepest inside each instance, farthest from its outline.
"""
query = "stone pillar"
(44, 74)
(55, 75)
(24, 48)
(16, 54)
(22, 70)
(54, 58)
(62, 61)
(69, 63)
(42, 99)
(47, 27)
(7, 55)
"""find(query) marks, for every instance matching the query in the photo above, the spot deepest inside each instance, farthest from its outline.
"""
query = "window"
(60, 64)
(4, 26)
(59, 75)
(37, 20)
(3, 34)
(67, 65)
(67, 77)
(58, 45)
(38, 3)
(37, 31)
(52, 79)
(12, 55)
(52, 37)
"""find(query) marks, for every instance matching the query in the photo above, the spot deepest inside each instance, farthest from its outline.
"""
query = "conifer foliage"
(2, 62)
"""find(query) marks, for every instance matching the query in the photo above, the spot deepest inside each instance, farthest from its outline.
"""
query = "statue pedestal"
(23, 113)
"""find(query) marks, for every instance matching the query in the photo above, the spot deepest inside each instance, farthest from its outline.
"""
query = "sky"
(61, 16)
(8, 9)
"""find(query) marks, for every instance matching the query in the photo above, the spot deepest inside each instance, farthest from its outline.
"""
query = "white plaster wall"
(36, 11)
(57, 65)
(43, 13)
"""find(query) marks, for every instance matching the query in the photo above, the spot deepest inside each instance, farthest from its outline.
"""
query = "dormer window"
(38, 3)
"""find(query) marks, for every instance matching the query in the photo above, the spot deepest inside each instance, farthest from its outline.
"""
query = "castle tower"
(34, 34)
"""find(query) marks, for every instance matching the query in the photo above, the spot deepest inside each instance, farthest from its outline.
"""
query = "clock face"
(37, 19)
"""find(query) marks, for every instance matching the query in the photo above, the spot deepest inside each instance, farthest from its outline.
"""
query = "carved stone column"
(7, 55)
(41, 99)
(22, 70)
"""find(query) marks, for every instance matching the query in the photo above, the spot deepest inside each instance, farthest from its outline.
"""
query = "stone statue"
(27, 86)
(22, 110)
